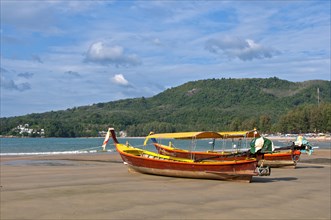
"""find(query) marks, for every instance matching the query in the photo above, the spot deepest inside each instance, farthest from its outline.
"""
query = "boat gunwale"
(178, 150)
(170, 159)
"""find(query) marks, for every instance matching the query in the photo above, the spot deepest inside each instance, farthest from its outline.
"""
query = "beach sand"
(100, 187)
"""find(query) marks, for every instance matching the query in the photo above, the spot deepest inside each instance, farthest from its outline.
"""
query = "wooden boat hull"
(152, 163)
(287, 159)
(243, 177)
(232, 170)
(273, 160)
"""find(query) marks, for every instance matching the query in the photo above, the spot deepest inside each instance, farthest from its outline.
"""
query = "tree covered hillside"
(212, 104)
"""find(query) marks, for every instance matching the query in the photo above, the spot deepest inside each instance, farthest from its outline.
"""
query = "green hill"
(212, 104)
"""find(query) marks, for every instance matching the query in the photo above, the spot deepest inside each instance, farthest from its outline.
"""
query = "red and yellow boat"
(282, 158)
(148, 162)
(266, 155)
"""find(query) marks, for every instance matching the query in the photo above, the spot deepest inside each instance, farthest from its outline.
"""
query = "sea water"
(38, 146)
(48, 146)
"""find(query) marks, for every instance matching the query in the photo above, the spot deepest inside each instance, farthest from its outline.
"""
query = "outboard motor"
(263, 171)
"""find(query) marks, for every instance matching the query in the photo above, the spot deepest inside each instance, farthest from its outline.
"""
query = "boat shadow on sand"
(306, 166)
(272, 179)
(314, 163)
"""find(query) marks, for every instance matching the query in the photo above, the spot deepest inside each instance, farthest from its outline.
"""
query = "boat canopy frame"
(185, 135)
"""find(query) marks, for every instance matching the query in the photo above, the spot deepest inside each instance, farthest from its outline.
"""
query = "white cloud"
(156, 41)
(239, 48)
(10, 84)
(103, 54)
(120, 80)
(29, 15)
(43, 16)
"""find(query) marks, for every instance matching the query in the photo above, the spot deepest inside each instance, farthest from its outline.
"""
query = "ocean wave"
(54, 153)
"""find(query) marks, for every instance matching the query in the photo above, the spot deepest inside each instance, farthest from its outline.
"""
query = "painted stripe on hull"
(275, 160)
(241, 177)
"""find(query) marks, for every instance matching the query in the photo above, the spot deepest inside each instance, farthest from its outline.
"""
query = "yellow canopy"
(185, 135)
(240, 134)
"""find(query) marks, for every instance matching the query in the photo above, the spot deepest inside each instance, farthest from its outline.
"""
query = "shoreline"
(276, 138)
(310, 139)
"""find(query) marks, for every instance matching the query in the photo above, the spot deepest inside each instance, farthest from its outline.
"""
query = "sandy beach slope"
(100, 187)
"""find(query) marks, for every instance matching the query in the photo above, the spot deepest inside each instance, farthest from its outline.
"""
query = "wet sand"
(100, 187)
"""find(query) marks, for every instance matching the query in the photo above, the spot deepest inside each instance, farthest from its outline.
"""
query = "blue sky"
(62, 54)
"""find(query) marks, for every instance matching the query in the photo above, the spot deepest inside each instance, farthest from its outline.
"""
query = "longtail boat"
(260, 148)
(288, 156)
(148, 162)
(282, 158)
